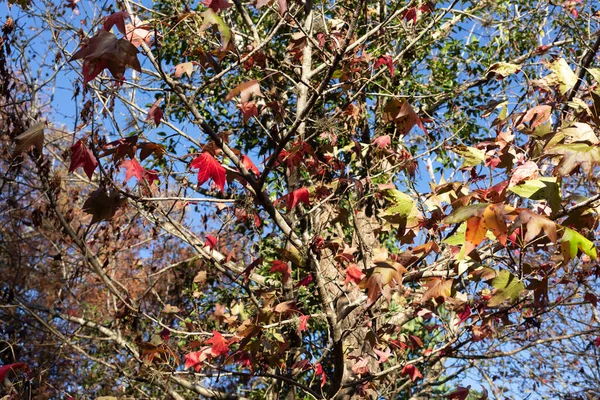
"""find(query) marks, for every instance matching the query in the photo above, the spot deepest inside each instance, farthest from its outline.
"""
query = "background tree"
(303, 200)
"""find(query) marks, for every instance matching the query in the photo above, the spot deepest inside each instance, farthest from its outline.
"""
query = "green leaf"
(572, 241)
(403, 204)
(472, 156)
(563, 75)
(507, 287)
(540, 189)
(210, 18)
(464, 213)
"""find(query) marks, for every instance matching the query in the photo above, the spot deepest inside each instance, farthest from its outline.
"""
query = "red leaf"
(195, 359)
(464, 315)
(410, 14)
(248, 110)
(155, 112)
(303, 323)
(220, 346)
(353, 274)
(117, 19)
(217, 5)
(134, 168)
(81, 156)
(385, 60)
(5, 369)
(283, 267)
(319, 371)
(249, 165)
(208, 167)
(305, 281)
(597, 342)
(412, 372)
(291, 199)
(104, 50)
(460, 393)
(382, 141)
(210, 242)
(361, 367)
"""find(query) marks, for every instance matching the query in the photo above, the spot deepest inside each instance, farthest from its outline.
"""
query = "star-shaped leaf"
(209, 168)
(81, 156)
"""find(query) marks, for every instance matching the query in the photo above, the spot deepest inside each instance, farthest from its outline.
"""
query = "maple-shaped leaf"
(319, 372)
(502, 69)
(138, 32)
(34, 136)
(379, 277)
(460, 393)
(118, 18)
(545, 188)
(526, 171)
(575, 155)
(403, 116)
(382, 141)
(361, 367)
(245, 90)
(102, 205)
(249, 165)
(217, 5)
(385, 60)
(438, 289)
(184, 68)
(463, 315)
(303, 326)
(248, 110)
(104, 50)
(209, 168)
(508, 287)
(383, 355)
(210, 18)
(412, 372)
(219, 345)
(534, 117)
(534, 224)
(5, 369)
(562, 75)
(148, 148)
(196, 358)
(210, 242)
(292, 199)
(353, 274)
(134, 168)
(572, 242)
(155, 113)
(81, 156)
(283, 267)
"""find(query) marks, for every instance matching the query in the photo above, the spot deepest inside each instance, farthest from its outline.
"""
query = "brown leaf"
(438, 289)
(245, 90)
(34, 136)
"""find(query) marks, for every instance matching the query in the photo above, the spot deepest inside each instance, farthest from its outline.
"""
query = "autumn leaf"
(382, 141)
(195, 359)
(383, 355)
(248, 110)
(184, 68)
(575, 155)
(292, 199)
(545, 188)
(34, 136)
(102, 205)
(81, 156)
(249, 165)
(217, 5)
(508, 287)
(148, 148)
(534, 224)
(438, 289)
(303, 326)
(5, 369)
(138, 32)
(155, 113)
(403, 115)
(361, 367)
(503, 69)
(353, 274)
(460, 393)
(134, 168)
(210, 242)
(118, 18)
(319, 372)
(208, 167)
(283, 267)
(219, 345)
(385, 60)
(562, 75)
(246, 91)
(534, 117)
(527, 171)
(412, 372)
(104, 50)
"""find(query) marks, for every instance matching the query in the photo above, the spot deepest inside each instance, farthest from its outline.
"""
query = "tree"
(299, 199)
